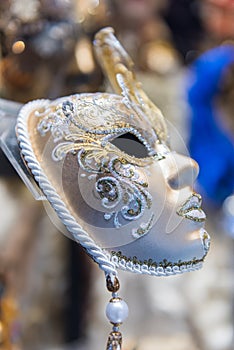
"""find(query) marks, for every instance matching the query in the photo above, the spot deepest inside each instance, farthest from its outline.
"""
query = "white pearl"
(117, 310)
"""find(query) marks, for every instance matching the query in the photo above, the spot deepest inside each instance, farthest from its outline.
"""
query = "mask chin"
(159, 256)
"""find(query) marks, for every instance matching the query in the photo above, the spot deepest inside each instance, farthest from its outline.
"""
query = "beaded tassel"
(116, 312)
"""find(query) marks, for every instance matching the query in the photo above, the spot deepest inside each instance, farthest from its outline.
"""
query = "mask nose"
(183, 171)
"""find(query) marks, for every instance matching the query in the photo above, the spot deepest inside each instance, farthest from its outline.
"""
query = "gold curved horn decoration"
(119, 68)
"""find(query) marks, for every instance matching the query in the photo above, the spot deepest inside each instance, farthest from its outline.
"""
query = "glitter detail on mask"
(120, 189)
(84, 127)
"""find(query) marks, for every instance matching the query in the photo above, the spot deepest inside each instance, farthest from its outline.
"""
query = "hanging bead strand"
(116, 312)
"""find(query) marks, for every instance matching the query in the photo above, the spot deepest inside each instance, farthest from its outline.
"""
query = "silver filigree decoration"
(53, 120)
(85, 127)
(118, 184)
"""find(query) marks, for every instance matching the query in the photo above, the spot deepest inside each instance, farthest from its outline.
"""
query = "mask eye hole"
(131, 145)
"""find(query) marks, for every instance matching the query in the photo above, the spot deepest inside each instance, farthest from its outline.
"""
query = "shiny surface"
(139, 209)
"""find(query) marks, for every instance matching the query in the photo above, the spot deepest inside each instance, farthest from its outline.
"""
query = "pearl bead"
(116, 310)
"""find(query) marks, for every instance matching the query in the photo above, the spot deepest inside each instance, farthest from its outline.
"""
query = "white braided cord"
(78, 233)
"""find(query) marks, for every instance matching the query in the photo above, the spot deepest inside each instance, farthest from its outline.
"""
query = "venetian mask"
(104, 163)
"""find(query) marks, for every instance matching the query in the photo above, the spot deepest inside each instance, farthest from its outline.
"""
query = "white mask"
(104, 163)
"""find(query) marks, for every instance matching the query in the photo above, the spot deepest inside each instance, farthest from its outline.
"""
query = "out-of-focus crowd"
(51, 295)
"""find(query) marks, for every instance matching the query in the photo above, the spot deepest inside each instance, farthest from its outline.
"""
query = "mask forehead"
(104, 116)
(105, 110)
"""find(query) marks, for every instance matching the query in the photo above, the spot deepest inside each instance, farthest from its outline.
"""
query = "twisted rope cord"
(78, 233)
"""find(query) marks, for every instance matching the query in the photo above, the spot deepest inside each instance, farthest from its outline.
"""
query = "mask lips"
(191, 209)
